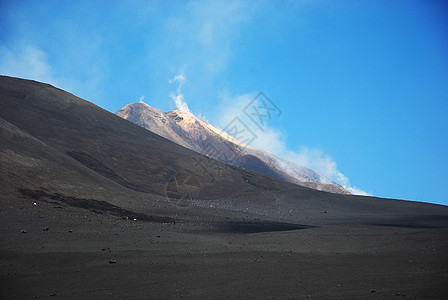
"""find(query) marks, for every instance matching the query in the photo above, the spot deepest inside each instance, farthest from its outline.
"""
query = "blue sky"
(362, 85)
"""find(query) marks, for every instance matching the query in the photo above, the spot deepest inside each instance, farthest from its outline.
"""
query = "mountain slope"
(132, 159)
(118, 150)
(189, 131)
(94, 206)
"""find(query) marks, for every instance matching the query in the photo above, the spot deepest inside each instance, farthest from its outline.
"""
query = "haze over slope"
(189, 131)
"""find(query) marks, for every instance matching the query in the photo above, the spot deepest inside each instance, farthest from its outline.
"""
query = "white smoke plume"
(321, 162)
(141, 99)
(177, 96)
(273, 140)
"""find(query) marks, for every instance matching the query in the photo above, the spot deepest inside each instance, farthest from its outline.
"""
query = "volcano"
(95, 206)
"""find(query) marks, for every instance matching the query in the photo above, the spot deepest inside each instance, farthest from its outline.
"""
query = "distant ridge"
(191, 132)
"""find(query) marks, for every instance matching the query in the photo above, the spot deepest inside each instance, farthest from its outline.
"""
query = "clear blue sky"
(362, 85)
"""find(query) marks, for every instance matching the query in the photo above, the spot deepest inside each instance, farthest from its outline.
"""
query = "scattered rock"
(23, 231)
(46, 229)
(112, 261)
(70, 231)
(373, 291)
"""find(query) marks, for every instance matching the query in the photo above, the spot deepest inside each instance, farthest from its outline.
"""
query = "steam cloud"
(321, 162)
(273, 141)
(27, 62)
(177, 96)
